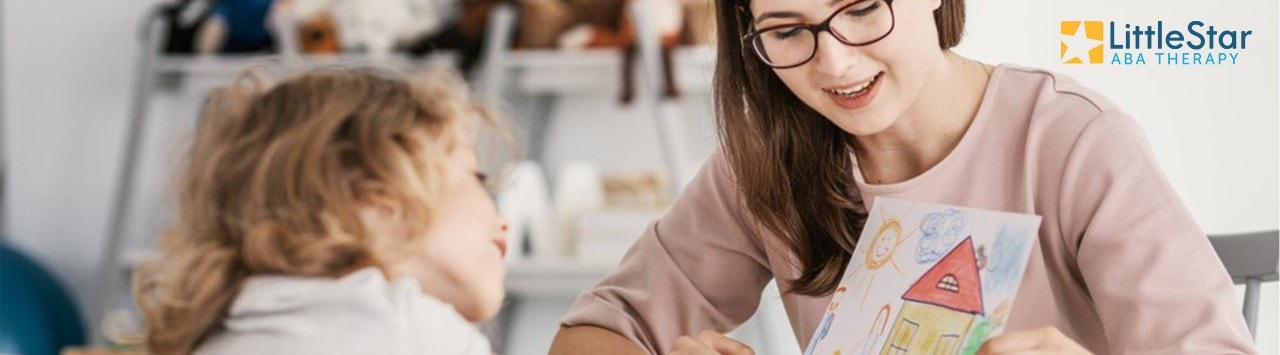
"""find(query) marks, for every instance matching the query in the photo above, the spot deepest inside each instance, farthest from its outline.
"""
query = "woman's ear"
(934, 5)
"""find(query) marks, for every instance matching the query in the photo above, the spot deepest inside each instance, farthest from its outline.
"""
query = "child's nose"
(501, 237)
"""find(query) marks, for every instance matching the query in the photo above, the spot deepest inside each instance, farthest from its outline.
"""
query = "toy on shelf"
(585, 24)
(636, 190)
(464, 35)
(236, 26)
(182, 20)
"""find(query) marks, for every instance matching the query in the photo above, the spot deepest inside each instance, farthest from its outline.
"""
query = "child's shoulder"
(362, 312)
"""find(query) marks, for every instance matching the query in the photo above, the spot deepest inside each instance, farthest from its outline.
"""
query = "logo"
(1082, 42)
(1195, 43)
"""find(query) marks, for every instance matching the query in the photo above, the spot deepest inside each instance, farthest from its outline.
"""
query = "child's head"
(322, 174)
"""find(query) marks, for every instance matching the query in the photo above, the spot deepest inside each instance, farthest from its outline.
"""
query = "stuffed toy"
(379, 26)
(465, 35)
(236, 26)
(181, 30)
(369, 26)
(318, 34)
(636, 190)
(579, 24)
(312, 23)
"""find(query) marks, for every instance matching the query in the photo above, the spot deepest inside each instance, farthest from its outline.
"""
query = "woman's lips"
(856, 96)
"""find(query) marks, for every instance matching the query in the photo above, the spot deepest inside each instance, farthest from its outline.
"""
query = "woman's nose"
(834, 58)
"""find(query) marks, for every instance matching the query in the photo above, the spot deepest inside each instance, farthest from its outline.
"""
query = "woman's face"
(864, 89)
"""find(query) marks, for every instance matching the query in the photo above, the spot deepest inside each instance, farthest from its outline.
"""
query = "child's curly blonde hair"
(277, 176)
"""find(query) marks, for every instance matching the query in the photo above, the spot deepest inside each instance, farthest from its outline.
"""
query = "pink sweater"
(1120, 266)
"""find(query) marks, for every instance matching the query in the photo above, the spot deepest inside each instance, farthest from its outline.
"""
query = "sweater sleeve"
(699, 267)
(1154, 279)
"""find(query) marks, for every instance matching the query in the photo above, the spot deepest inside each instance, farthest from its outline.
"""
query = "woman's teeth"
(854, 91)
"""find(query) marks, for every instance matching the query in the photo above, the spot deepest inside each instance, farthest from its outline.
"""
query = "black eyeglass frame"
(753, 38)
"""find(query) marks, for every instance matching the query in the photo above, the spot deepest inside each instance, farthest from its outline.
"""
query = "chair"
(1251, 259)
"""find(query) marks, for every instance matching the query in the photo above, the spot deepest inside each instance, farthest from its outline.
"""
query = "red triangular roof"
(960, 264)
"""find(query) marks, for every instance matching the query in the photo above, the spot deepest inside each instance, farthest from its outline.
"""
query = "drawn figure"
(827, 318)
(878, 326)
(982, 257)
(939, 231)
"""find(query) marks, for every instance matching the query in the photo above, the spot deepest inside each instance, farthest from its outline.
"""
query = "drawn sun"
(879, 252)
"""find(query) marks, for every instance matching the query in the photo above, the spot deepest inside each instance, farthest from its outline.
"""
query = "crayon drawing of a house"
(940, 307)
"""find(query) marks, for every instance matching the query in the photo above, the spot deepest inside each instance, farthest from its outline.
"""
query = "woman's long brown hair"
(793, 166)
(275, 179)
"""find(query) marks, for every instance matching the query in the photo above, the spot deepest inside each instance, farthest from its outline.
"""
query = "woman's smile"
(856, 95)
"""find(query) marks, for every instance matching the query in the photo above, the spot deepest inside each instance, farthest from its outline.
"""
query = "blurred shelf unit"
(231, 64)
(503, 72)
(540, 76)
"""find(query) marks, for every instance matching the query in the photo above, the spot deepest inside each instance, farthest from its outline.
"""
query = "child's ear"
(378, 211)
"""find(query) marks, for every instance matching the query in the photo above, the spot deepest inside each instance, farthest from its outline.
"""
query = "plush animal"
(465, 35)
(318, 34)
(312, 23)
(379, 26)
(181, 30)
(236, 26)
(631, 190)
(578, 24)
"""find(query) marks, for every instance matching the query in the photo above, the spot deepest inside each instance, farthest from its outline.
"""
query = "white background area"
(68, 67)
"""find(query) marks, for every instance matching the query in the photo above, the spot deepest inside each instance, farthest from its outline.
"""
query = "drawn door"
(948, 344)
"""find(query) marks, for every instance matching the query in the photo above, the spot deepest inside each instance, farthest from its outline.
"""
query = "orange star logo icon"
(1081, 42)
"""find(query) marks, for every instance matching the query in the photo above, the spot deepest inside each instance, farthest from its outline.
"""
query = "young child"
(341, 211)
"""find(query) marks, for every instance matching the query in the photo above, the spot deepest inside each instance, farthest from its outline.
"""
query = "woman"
(825, 105)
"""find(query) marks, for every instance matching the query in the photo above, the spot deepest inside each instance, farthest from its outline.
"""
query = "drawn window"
(949, 283)
(902, 340)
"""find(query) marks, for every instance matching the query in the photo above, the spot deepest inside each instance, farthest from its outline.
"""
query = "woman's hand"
(1047, 340)
(710, 343)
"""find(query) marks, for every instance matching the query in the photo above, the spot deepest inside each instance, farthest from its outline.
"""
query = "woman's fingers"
(723, 344)
(687, 345)
(1041, 340)
(710, 342)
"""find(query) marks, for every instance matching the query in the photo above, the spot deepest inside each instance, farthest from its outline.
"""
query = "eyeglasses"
(859, 23)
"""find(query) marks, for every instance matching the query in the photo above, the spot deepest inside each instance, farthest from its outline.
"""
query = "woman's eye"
(860, 11)
(785, 33)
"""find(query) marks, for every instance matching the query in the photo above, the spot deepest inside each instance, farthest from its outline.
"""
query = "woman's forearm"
(585, 339)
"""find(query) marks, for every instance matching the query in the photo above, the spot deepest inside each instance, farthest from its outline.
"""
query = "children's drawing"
(948, 304)
(880, 252)
(939, 231)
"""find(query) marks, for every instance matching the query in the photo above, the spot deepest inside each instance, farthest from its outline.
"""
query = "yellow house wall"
(934, 322)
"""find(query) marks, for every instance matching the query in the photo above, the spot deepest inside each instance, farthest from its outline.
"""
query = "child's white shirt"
(361, 313)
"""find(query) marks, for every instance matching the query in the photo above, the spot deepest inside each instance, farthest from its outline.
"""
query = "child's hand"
(710, 343)
(1047, 340)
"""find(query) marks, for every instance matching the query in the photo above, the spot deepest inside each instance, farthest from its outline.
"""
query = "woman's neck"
(930, 128)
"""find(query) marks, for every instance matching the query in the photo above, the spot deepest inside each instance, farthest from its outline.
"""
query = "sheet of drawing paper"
(927, 279)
